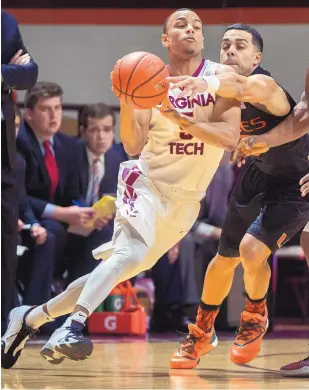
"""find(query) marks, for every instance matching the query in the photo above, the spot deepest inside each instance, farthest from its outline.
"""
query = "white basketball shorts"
(161, 220)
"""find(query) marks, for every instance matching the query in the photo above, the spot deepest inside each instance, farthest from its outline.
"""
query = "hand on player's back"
(249, 146)
(304, 182)
(191, 85)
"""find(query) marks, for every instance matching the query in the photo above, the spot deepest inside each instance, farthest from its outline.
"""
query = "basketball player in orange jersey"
(293, 127)
(158, 196)
(265, 208)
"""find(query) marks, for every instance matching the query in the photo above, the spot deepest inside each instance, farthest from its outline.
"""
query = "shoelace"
(187, 344)
(74, 333)
(247, 329)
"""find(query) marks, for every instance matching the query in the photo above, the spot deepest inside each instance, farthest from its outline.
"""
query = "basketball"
(139, 80)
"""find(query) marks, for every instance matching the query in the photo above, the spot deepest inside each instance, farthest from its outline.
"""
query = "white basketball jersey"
(173, 157)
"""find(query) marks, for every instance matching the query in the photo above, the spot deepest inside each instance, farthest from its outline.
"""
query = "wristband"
(213, 83)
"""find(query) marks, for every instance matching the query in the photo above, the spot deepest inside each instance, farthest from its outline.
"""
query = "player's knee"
(253, 252)
(129, 256)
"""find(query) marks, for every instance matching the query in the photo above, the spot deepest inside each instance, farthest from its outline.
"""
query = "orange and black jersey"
(288, 159)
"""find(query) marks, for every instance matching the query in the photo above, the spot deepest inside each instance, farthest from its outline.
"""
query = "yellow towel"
(103, 207)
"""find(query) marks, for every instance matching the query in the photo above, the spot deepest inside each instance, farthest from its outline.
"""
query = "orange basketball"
(139, 79)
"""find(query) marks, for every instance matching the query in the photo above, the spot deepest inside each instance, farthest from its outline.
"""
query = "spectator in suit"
(98, 166)
(18, 70)
(35, 266)
(51, 170)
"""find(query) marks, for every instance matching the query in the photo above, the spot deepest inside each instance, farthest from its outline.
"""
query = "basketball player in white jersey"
(158, 196)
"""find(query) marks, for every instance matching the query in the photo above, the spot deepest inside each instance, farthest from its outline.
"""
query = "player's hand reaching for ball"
(191, 85)
(249, 146)
(304, 182)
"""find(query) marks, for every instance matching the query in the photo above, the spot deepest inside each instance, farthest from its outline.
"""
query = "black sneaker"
(16, 336)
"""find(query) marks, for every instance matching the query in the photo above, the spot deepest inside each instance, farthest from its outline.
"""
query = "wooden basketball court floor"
(143, 364)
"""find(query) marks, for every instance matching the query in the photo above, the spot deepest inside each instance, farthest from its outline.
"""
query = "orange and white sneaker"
(195, 345)
(247, 344)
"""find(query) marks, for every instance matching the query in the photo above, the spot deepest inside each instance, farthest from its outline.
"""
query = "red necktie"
(52, 168)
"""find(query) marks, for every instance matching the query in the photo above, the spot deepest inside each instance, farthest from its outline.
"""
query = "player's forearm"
(293, 127)
(131, 133)
(218, 134)
(231, 85)
(245, 89)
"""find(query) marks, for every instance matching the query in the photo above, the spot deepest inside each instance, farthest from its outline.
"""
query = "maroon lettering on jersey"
(192, 148)
(184, 135)
(185, 102)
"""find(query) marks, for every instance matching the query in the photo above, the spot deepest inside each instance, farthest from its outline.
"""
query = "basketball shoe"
(249, 336)
(300, 368)
(195, 345)
(16, 336)
(67, 342)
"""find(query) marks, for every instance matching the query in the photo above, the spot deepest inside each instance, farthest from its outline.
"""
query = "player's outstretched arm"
(134, 127)
(256, 89)
(221, 130)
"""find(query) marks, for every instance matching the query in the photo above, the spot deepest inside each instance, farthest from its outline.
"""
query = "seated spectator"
(35, 266)
(51, 169)
(98, 165)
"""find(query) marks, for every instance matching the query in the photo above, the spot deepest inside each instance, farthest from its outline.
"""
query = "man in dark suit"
(35, 266)
(18, 70)
(98, 166)
(51, 169)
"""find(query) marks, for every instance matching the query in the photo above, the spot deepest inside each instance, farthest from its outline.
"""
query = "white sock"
(80, 317)
(37, 317)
